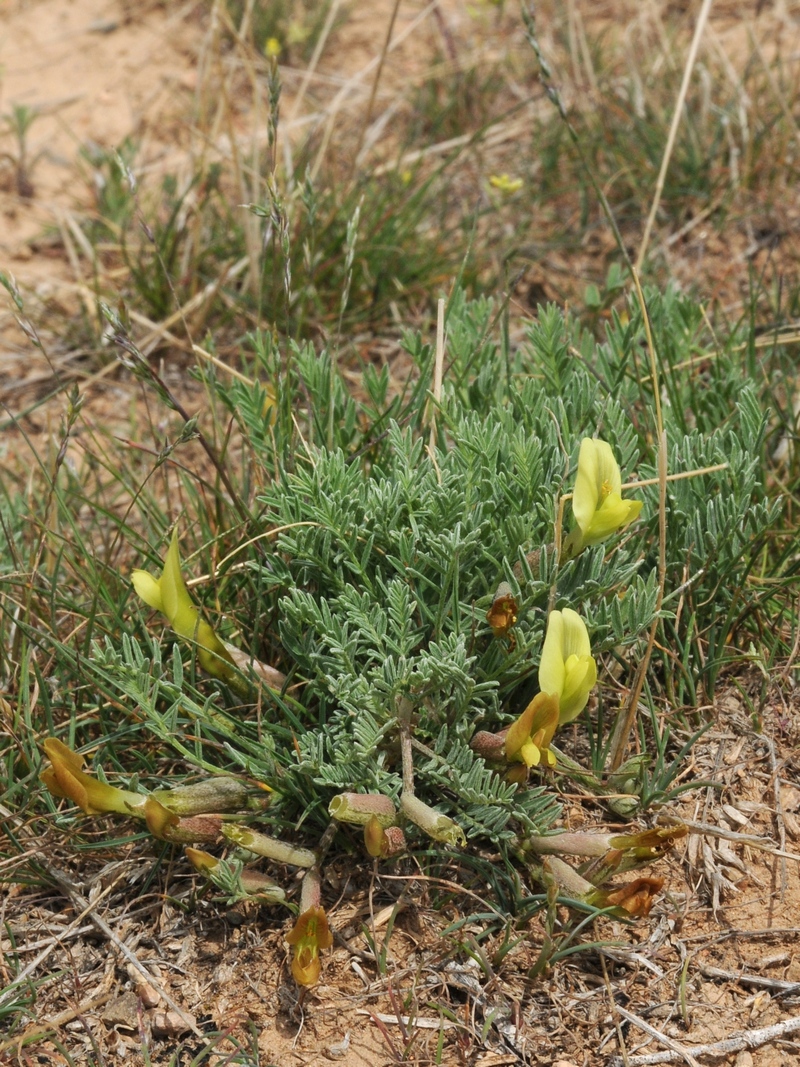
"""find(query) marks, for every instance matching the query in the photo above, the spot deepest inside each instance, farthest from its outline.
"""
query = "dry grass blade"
(626, 719)
(702, 18)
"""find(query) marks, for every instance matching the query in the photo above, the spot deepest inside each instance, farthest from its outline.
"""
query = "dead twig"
(738, 1042)
(702, 18)
(673, 1046)
(777, 986)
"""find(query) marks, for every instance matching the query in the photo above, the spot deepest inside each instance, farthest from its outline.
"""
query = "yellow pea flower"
(567, 669)
(597, 502)
(528, 739)
(308, 935)
(169, 595)
(65, 777)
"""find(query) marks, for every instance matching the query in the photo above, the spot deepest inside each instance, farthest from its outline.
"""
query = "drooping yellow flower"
(528, 739)
(597, 502)
(307, 937)
(65, 777)
(567, 669)
(169, 595)
(636, 898)
(503, 613)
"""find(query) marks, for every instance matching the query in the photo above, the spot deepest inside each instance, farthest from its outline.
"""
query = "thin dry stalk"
(679, 477)
(702, 18)
(88, 909)
(625, 721)
(310, 70)
(668, 1042)
(438, 370)
(355, 82)
(375, 83)
(744, 1039)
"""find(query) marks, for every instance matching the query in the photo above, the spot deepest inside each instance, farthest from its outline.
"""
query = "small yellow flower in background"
(65, 777)
(597, 502)
(169, 595)
(307, 937)
(567, 669)
(272, 48)
(504, 184)
(528, 739)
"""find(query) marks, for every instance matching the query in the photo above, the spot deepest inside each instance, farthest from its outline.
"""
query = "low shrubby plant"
(430, 584)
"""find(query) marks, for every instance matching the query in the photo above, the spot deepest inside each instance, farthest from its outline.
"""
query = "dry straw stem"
(679, 477)
(438, 371)
(51, 944)
(48, 1027)
(310, 70)
(191, 582)
(738, 1042)
(218, 92)
(492, 135)
(625, 720)
(674, 1046)
(355, 82)
(373, 91)
(702, 18)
